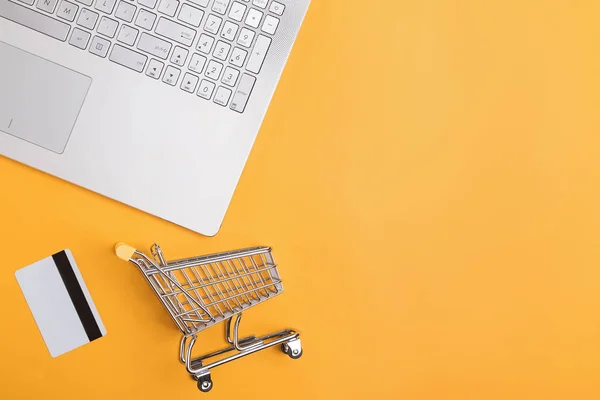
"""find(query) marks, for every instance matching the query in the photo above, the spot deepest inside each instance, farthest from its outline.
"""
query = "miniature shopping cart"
(202, 291)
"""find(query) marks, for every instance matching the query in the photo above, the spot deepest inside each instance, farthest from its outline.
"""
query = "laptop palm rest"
(39, 100)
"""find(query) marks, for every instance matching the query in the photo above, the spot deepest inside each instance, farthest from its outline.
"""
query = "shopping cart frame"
(228, 284)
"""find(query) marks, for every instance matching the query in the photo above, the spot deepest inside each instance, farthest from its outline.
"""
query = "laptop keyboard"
(214, 49)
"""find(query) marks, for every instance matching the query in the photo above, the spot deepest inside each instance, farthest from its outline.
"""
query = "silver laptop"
(154, 103)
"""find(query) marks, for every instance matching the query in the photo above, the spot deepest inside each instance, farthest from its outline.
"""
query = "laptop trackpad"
(39, 100)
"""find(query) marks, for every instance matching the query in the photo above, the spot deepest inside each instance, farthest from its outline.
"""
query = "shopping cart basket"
(202, 291)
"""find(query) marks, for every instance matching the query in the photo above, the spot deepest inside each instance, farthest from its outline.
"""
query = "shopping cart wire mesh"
(200, 292)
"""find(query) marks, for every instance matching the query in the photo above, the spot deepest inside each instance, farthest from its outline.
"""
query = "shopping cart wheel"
(295, 356)
(205, 383)
(294, 353)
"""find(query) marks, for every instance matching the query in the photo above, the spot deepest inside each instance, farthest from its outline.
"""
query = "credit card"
(60, 303)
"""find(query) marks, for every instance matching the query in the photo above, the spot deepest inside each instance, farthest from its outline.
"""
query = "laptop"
(153, 103)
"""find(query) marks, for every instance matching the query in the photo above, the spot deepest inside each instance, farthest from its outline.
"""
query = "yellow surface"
(428, 177)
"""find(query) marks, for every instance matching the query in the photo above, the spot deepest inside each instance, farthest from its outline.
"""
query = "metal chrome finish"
(202, 291)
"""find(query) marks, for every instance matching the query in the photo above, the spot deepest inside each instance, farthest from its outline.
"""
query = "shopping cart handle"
(124, 251)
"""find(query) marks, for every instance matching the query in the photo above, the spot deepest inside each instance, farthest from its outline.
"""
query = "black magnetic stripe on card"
(65, 269)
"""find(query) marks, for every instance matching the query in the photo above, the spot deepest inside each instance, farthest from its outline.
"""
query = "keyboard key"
(127, 35)
(154, 69)
(270, 25)
(230, 76)
(206, 89)
(220, 6)
(179, 56)
(242, 94)
(237, 11)
(205, 43)
(277, 8)
(125, 11)
(79, 38)
(28, 2)
(212, 24)
(86, 2)
(148, 3)
(197, 63)
(107, 27)
(168, 7)
(222, 50)
(128, 58)
(105, 6)
(174, 31)
(222, 96)
(67, 10)
(229, 30)
(87, 19)
(189, 82)
(213, 71)
(238, 56)
(47, 5)
(190, 15)
(260, 3)
(34, 20)
(99, 46)
(153, 45)
(145, 19)
(253, 18)
(171, 75)
(257, 57)
(201, 3)
(246, 37)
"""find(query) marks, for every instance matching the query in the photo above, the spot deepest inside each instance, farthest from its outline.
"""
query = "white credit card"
(60, 303)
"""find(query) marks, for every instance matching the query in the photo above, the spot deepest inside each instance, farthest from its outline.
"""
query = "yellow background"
(428, 177)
